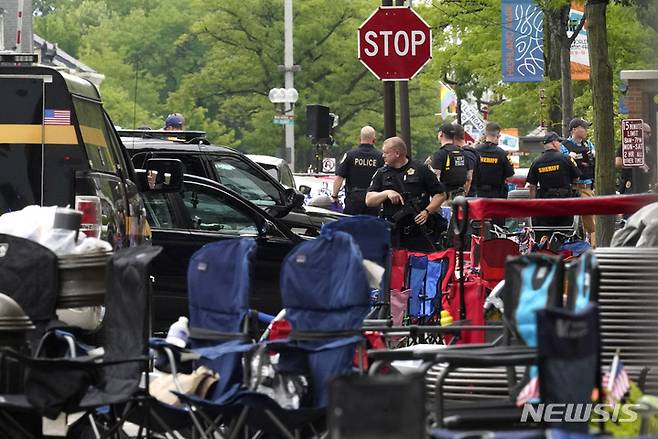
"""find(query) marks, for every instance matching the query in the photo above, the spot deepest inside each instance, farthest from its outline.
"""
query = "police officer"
(472, 159)
(493, 166)
(402, 184)
(582, 151)
(554, 173)
(450, 163)
(357, 168)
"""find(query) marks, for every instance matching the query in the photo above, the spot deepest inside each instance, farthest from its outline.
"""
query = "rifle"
(412, 207)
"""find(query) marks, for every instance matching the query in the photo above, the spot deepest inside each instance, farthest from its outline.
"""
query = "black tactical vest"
(454, 170)
(584, 159)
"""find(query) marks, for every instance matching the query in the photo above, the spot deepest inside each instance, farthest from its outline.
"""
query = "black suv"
(59, 147)
(232, 169)
(205, 211)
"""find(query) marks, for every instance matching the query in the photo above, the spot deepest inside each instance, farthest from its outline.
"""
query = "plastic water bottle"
(178, 333)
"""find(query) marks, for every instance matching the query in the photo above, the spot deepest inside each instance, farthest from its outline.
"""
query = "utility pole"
(389, 99)
(16, 24)
(289, 80)
(2, 29)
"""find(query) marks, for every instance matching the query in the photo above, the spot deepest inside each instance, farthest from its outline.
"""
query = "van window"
(94, 135)
(22, 131)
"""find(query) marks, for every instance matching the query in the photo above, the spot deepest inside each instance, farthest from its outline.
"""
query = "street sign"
(394, 43)
(283, 119)
(471, 114)
(632, 143)
(329, 164)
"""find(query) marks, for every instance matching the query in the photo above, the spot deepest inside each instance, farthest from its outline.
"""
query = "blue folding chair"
(326, 297)
(373, 236)
(219, 287)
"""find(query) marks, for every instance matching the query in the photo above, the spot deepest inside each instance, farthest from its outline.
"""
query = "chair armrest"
(482, 358)
(210, 335)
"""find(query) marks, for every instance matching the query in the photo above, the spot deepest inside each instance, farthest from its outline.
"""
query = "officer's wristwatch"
(335, 197)
(428, 212)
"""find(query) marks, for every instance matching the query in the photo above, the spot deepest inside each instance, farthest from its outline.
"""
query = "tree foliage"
(215, 62)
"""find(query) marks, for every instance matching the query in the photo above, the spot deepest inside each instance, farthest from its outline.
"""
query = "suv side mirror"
(295, 198)
(304, 189)
(160, 175)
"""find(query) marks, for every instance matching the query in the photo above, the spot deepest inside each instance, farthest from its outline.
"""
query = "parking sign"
(632, 143)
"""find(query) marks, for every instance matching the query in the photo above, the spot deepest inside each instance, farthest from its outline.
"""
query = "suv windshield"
(238, 176)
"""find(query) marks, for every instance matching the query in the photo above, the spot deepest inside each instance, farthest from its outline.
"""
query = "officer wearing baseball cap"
(581, 151)
(450, 163)
(174, 122)
(553, 173)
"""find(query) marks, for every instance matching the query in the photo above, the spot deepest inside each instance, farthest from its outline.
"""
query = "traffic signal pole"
(389, 99)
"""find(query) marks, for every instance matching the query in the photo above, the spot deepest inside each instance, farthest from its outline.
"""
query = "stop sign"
(395, 43)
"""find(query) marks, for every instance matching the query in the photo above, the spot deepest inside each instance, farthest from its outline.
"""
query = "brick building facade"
(641, 100)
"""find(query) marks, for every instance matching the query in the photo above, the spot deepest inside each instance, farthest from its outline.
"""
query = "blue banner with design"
(522, 41)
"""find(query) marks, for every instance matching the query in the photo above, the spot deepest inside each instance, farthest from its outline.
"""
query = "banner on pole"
(522, 41)
(448, 99)
(579, 48)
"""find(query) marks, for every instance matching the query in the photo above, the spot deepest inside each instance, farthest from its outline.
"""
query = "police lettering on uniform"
(411, 195)
(356, 168)
(582, 152)
(493, 167)
(554, 173)
(450, 163)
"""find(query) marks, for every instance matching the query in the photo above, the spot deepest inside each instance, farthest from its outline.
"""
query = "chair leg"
(239, 423)
(282, 428)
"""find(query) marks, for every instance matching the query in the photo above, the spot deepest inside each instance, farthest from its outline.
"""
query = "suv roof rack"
(179, 136)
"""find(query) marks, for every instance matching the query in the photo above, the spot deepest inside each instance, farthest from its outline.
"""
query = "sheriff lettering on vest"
(494, 168)
(411, 195)
(356, 168)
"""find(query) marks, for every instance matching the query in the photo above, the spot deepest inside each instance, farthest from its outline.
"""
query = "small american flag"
(56, 117)
(529, 393)
(615, 381)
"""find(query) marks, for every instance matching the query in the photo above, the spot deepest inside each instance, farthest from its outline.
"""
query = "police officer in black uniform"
(411, 195)
(554, 173)
(472, 159)
(493, 167)
(450, 163)
(356, 168)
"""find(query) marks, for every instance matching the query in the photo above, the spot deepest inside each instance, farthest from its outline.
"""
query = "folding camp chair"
(85, 384)
(568, 360)
(491, 257)
(373, 236)
(532, 282)
(219, 287)
(29, 274)
(326, 297)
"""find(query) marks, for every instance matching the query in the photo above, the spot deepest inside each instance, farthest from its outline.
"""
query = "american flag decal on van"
(56, 117)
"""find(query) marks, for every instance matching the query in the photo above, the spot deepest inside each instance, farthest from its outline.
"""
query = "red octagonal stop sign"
(395, 43)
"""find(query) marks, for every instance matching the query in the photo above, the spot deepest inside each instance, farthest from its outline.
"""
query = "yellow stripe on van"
(92, 136)
(31, 134)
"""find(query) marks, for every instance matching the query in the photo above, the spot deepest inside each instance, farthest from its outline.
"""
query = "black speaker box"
(318, 123)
